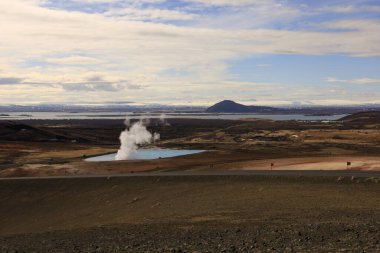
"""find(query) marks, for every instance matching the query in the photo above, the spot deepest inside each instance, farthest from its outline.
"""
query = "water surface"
(146, 154)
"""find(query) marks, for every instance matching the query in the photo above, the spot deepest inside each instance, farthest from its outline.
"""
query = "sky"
(190, 52)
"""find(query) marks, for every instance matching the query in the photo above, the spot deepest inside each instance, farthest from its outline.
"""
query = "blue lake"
(147, 154)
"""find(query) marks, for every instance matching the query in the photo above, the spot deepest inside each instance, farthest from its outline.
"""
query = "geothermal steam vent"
(136, 135)
(133, 136)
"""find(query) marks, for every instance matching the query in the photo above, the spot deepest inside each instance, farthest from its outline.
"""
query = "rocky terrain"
(57, 147)
(204, 237)
(190, 214)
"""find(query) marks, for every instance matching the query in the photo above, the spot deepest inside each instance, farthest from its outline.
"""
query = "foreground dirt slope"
(215, 213)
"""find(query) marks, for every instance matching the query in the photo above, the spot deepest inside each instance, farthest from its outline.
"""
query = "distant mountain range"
(226, 106)
(230, 106)
(115, 107)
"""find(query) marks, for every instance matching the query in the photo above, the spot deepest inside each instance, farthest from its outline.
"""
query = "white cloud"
(74, 60)
(96, 1)
(229, 2)
(350, 9)
(246, 14)
(140, 54)
(95, 86)
(364, 80)
(115, 1)
(150, 14)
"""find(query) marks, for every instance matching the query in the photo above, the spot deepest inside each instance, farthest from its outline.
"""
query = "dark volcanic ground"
(209, 213)
(190, 214)
(204, 237)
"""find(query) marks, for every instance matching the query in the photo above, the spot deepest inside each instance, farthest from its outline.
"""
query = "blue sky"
(272, 52)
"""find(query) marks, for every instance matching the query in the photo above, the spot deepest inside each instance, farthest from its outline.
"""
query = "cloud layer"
(153, 51)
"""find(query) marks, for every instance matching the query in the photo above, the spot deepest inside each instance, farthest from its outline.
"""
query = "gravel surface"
(204, 237)
(230, 213)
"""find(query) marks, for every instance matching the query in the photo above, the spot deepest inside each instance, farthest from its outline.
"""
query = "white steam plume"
(134, 135)
(163, 120)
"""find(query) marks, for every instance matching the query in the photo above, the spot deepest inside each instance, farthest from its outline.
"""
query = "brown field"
(42, 148)
(190, 213)
(336, 209)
